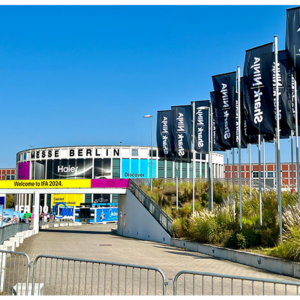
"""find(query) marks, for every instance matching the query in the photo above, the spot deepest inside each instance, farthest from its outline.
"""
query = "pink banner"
(110, 183)
(24, 170)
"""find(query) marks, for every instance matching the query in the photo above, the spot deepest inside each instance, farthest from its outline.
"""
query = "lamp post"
(150, 116)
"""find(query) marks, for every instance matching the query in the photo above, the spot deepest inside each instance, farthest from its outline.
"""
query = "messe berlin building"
(88, 162)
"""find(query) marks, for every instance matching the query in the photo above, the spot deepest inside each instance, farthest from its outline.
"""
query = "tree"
(10, 201)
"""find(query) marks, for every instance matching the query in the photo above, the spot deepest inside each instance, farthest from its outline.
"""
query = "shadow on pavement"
(77, 231)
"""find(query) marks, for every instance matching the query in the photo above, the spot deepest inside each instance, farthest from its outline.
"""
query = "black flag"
(224, 87)
(164, 135)
(258, 90)
(292, 39)
(216, 131)
(201, 126)
(284, 92)
(181, 130)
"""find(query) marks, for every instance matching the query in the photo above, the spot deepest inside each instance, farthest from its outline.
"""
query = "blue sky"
(86, 75)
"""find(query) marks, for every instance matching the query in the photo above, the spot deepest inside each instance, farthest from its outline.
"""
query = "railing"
(221, 284)
(71, 276)
(156, 211)
(54, 275)
(9, 231)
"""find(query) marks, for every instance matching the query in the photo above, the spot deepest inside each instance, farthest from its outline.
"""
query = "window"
(191, 170)
(184, 170)
(202, 170)
(255, 174)
(203, 156)
(197, 155)
(7, 177)
(116, 168)
(169, 169)
(12, 177)
(153, 152)
(270, 174)
(161, 169)
(134, 152)
(197, 170)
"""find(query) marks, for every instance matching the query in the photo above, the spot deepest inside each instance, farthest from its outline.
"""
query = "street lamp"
(150, 116)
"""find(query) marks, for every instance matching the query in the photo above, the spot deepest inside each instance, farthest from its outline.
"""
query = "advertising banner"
(68, 199)
(16, 217)
(107, 214)
(216, 130)
(110, 183)
(292, 38)
(182, 132)
(24, 170)
(8, 214)
(164, 135)
(284, 85)
(258, 98)
(224, 87)
(138, 168)
(44, 184)
(1, 215)
(201, 126)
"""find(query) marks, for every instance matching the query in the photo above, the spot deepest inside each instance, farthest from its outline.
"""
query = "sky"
(86, 75)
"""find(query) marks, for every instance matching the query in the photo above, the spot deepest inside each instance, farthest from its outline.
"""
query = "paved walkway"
(96, 242)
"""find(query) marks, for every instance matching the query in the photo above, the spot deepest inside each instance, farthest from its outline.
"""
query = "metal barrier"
(72, 276)
(9, 231)
(220, 284)
(14, 273)
(157, 212)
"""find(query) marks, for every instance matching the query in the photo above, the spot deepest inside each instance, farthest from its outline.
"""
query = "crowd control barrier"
(14, 273)
(53, 275)
(9, 231)
(72, 276)
(200, 283)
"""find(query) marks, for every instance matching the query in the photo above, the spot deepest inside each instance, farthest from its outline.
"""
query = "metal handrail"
(169, 221)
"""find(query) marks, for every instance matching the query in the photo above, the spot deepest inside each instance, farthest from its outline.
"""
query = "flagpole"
(227, 152)
(194, 156)
(296, 124)
(292, 156)
(233, 182)
(250, 171)
(176, 174)
(240, 157)
(210, 200)
(259, 180)
(264, 166)
(278, 140)
(211, 149)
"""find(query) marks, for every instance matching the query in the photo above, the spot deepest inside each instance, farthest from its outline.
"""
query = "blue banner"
(107, 214)
(1, 215)
(8, 215)
(16, 217)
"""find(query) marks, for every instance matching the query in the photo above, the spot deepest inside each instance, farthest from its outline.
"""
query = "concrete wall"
(134, 220)
(272, 264)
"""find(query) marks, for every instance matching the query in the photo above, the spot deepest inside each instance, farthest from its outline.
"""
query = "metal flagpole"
(211, 149)
(227, 175)
(250, 171)
(176, 171)
(264, 166)
(233, 182)
(296, 124)
(210, 200)
(278, 140)
(292, 156)
(240, 157)
(194, 157)
(259, 181)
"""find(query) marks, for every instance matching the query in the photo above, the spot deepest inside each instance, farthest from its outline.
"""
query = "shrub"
(180, 227)
(242, 239)
(269, 236)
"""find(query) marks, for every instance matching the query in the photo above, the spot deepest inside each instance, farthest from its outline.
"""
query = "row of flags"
(258, 103)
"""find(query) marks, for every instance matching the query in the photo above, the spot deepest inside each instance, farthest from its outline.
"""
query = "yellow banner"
(45, 184)
(69, 199)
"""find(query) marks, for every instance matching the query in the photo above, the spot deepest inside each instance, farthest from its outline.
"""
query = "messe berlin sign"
(64, 183)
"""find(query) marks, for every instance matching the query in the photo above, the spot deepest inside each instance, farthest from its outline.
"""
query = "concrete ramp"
(140, 217)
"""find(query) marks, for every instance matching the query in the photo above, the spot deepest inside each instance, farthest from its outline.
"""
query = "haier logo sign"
(65, 211)
(68, 169)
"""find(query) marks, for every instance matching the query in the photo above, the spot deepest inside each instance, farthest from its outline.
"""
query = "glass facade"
(161, 169)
